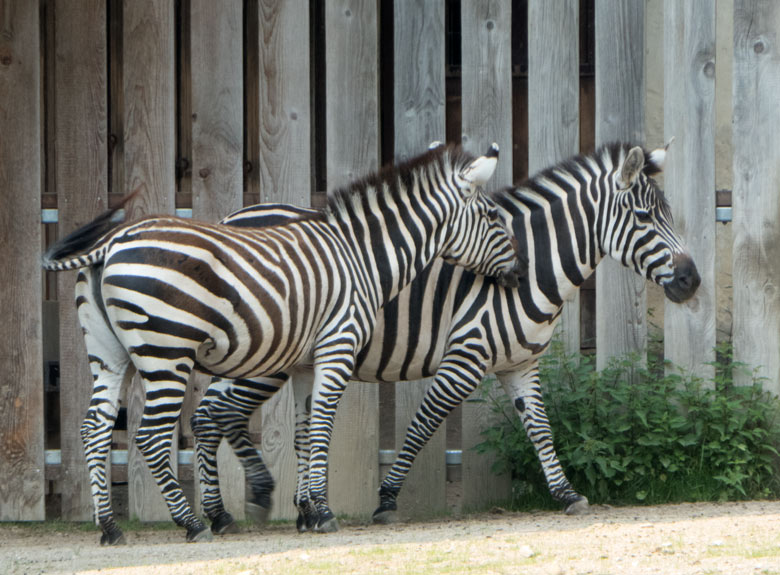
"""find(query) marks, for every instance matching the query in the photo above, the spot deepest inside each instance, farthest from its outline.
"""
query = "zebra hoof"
(199, 534)
(579, 507)
(257, 513)
(327, 523)
(300, 524)
(384, 516)
(113, 537)
(224, 524)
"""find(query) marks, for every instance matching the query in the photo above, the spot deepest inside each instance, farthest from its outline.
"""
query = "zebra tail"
(82, 248)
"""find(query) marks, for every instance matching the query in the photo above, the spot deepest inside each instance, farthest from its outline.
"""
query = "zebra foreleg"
(330, 380)
(526, 393)
(455, 380)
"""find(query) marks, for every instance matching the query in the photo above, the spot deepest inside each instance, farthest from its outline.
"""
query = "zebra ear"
(632, 166)
(478, 172)
(656, 160)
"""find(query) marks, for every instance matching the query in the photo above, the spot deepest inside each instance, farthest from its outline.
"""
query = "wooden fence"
(207, 106)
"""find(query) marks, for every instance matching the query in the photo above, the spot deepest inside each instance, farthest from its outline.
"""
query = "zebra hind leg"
(208, 436)
(454, 382)
(523, 386)
(307, 513)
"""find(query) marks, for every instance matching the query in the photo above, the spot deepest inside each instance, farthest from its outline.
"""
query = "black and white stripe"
(177, 295)
(458, 326)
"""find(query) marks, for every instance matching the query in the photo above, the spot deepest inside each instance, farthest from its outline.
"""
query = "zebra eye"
(493, 214)
(643, 216)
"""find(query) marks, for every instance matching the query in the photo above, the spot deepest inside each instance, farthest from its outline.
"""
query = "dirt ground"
(731, 538)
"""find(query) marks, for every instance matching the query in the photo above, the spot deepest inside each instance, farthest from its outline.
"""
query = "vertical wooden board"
(487, 117)
(486, 32)
(82, 193)
(553, 108)
(621, 298)
(352, 148)
(21, 385)
(284, 176)
(217, 108)
(482, 487)
(149, 158)
(419, 119)
(755, 200)
(689, 177)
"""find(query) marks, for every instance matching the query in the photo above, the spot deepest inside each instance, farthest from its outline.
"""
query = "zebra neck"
(387, 241)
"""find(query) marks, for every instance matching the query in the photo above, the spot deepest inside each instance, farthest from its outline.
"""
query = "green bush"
(640, 434)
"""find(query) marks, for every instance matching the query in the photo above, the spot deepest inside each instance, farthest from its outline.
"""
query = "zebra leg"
(225, 411)
(208, 436)
(331, 374)
(109, 363)
(307, 513)
(526, 393)
(165, 379)
(455, 379)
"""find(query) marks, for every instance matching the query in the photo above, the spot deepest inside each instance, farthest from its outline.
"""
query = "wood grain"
(689, 177)
(756, 203)
(553, 108)
(81, 158)
(486, 33)
(21, 384)
(621, 297)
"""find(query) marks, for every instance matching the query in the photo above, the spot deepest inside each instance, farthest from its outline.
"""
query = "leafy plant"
(641, 432)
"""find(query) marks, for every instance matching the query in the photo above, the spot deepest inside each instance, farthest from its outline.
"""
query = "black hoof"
(257, 513)
(307, 517)
(199, 533)
(113, 537)
(327, 523)
(383, 516)
(223, 524)
(578, 507)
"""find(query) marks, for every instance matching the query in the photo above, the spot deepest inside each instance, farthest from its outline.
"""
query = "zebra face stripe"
(641, 234)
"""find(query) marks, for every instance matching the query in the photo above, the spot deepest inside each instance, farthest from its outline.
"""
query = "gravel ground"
(729, 538)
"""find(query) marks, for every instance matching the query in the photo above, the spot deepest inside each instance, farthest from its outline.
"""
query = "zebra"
(566, 218)
(171, 295)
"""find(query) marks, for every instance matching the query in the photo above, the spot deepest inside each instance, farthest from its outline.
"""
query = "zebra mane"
(574, 164)
(449, 158)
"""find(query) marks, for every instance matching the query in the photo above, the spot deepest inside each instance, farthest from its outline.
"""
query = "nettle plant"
(638, 433)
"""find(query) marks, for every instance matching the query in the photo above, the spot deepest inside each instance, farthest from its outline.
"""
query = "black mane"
(390, 175)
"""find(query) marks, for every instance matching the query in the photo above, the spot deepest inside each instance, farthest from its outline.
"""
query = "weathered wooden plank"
(482, 488)
(756, 249)
(149, 166)
(689, 117)
(486, 32)
(21, 385)
(351, 84)
(419, 119)
(553, 108)
(487, 117)
(621, 299)
(81, 158)
(284, 172)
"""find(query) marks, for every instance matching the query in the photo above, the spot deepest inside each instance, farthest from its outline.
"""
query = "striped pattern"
(458, 326)
(243, 303)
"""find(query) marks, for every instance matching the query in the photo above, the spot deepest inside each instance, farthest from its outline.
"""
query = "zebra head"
(640, 230)
(480, 239)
